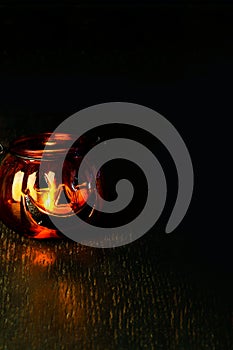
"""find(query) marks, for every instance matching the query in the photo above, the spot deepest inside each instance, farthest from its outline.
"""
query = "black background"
(175, 57)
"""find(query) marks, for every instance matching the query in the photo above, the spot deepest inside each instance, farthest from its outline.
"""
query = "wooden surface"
(59, 295)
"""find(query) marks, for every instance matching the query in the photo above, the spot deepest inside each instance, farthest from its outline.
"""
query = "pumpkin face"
(27, 201)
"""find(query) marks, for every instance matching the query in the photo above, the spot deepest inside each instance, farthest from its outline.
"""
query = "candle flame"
(51, 197)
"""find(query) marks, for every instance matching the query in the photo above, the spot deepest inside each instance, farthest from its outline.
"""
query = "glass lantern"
(27, 200)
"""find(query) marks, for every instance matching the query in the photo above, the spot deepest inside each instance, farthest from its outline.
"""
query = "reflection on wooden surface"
(59, 295)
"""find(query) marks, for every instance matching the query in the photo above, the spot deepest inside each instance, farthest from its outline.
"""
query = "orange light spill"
(43, 232)
(39, 257)
(44, 259)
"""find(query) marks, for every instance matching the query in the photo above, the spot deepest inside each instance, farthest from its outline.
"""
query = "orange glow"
(17, 186)
(80, 195)
(44, 259)
(30, 185)
(40, 257)
(60, 200)
(49, 199)
(43, 232)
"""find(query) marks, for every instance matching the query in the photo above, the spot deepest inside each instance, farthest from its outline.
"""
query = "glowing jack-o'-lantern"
(27, 201)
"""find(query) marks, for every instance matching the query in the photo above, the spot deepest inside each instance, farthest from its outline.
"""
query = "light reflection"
(39, 257)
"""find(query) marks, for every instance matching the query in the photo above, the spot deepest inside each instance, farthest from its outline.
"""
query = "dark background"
(172, 56)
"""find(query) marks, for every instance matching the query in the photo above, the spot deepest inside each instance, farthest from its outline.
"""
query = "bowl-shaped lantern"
(27, 200)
